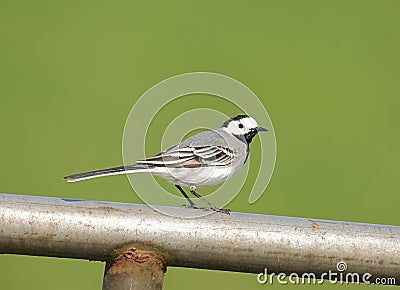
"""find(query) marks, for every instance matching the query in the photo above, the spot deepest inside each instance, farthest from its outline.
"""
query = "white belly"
(199, 177)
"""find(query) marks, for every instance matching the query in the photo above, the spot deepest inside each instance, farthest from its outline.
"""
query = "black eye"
(240, 125)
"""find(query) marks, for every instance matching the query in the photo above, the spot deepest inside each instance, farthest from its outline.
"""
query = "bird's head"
(243, 126)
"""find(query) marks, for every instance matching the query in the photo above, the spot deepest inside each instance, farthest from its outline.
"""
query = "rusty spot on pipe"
(140, 268)
(142, 256)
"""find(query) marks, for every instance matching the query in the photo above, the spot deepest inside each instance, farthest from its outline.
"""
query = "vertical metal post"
(135, 269)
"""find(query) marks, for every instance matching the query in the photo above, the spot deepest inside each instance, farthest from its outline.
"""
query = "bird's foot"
(206, 208)
(192, 206)
(221, 210)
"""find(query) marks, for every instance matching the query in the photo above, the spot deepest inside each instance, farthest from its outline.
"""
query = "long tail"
(106, 172)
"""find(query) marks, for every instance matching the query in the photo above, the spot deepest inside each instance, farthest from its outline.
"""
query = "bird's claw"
(206, 208)
(191, 206)
(216, 209)
(221, 210)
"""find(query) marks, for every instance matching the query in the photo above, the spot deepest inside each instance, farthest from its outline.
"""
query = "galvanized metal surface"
(240, 242)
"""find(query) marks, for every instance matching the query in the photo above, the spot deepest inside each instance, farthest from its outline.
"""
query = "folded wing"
(191, 157)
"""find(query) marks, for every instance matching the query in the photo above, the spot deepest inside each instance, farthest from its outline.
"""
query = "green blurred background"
(328, 73)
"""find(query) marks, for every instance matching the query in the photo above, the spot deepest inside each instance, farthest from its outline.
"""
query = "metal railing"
(138, 243)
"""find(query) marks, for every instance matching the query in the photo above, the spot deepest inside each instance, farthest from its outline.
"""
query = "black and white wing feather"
(191, 157)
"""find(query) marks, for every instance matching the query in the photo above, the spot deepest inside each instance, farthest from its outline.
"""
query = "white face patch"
(242, 126)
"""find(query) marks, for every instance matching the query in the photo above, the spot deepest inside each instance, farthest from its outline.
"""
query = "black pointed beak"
(260, 129)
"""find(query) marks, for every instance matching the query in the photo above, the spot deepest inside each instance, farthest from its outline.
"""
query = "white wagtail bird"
(205, 159)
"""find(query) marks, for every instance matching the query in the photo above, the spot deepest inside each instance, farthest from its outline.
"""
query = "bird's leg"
(213, 207)
(192, 205)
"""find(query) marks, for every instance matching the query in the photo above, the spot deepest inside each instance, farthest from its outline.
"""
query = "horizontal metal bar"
(97, 230)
